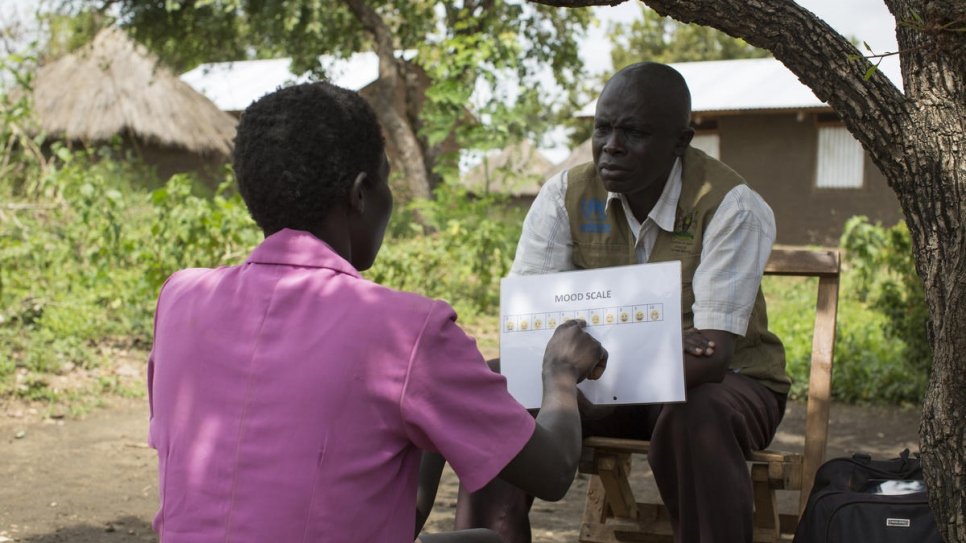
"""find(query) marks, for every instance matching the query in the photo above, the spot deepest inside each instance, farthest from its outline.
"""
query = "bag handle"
(900, 468)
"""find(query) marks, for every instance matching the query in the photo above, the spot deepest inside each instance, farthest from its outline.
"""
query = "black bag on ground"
(859, 499)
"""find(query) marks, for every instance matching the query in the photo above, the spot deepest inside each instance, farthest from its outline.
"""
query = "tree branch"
(392, 80)
(381, 37)
(578, 3)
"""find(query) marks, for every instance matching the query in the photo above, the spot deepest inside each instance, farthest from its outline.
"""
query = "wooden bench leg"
(595, 506)
(614, 473)
(766, 523)
(595, 511)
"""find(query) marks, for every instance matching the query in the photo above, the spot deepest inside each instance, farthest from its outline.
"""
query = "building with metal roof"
(752, 84)
(232, 86)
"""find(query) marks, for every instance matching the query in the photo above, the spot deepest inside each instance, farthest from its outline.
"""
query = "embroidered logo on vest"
(593, 216)
(684, 225)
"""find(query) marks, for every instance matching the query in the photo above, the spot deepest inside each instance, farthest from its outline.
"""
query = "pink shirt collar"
(299, 248)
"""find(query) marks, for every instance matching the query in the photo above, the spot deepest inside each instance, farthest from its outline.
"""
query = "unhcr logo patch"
(593, 216)
(684, 225)
(898, 522)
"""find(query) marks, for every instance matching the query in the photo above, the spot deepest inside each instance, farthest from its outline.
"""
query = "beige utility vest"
(602, 238)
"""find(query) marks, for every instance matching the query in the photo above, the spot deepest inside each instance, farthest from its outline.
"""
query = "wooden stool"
(613, 514)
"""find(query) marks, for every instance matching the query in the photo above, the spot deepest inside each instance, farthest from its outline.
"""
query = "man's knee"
(706, 404)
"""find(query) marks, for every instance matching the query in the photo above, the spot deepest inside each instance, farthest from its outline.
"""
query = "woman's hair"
(298, 149)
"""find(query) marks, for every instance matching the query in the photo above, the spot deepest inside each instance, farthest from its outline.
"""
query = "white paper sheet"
(634, 311)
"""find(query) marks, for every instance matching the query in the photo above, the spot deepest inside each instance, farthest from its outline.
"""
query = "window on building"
(709, 142)
(706, 136)
(840, 159)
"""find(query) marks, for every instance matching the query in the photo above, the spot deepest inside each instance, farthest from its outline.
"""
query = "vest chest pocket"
(589, 255)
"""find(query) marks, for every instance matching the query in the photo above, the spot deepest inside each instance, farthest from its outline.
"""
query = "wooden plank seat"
(611, 511)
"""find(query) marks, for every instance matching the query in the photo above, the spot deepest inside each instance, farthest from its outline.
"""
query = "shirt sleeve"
(545, 243)
(735, 249)
(452, 403)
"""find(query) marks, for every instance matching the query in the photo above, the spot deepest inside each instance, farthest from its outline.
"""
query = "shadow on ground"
(126, 529)
(94, 480)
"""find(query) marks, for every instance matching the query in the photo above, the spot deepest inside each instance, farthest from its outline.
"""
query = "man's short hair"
(298, 149)
(661, 80)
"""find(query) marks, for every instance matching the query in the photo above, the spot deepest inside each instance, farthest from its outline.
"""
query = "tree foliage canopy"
(506, 47)
(662, 39)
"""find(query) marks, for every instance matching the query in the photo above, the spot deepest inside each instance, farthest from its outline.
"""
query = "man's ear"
(357, 199)
(684, 139)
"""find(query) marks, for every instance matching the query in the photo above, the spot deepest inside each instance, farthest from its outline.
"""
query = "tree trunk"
(415, 173)
(917, 140)
(933, 198)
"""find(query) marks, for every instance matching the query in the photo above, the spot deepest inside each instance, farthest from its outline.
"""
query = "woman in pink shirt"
(291, 399)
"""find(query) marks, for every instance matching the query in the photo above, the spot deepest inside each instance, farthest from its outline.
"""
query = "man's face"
(637, 137)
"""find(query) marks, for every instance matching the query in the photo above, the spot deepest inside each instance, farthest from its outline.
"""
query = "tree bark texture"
(392, 79)
(916, 138)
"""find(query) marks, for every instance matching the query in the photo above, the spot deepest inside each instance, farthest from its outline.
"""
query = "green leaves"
(82, 260)
(882, 353)
(662, 39)
(484, 59)
(468, 250)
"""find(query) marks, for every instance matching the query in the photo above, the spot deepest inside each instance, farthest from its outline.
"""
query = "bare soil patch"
(93, 479)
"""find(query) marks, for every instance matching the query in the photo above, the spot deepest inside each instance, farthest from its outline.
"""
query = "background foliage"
(882, 352)
(483, 90)
(662, 39)
(83, 256)
(88, 236)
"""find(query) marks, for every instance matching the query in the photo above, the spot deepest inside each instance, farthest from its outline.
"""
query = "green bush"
(881, 352)
(469, 247)
(66, 268)
(83, 256)
(883, 275)
(188, 230)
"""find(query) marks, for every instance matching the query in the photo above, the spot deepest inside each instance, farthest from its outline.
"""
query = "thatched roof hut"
(580, 154)
(114, 86)
(517, 170)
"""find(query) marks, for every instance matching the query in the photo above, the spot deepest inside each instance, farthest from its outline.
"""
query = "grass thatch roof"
(580, 154)
(518, 170)
(115, 86)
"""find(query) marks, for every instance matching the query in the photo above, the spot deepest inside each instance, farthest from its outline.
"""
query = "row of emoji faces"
(549, 321)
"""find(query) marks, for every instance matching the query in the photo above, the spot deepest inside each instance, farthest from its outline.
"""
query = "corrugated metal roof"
(233, 86)
(747, 84)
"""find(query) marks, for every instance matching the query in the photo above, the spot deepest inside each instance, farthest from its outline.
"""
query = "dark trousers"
(697, 454)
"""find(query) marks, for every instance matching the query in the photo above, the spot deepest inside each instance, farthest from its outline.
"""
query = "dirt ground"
(93, 479)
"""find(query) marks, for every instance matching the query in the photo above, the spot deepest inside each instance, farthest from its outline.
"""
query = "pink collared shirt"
(290, 399)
